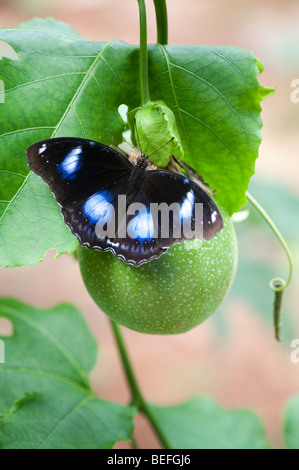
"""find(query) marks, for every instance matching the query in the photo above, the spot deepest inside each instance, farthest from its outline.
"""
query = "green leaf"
(266, 92)
(45, 398)
(60, 85)
(200, 423)
(291, 423)
(215, 95)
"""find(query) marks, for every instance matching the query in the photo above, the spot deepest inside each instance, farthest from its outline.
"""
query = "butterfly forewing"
(75, 169)
(85, 177)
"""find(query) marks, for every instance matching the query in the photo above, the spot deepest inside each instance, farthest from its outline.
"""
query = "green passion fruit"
(168, 295)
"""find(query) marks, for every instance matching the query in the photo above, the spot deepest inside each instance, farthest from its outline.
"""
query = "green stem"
(162, 23)
(134, 443)
(137, 397)
(277, 284)
(143, 65)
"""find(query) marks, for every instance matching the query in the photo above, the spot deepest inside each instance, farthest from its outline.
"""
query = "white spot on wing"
(187, 206)
(113, 244)
(213, 216)
(42, 149)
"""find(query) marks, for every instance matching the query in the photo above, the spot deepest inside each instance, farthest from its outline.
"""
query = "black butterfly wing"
(85, 177)
(145, 238)
(192, 203)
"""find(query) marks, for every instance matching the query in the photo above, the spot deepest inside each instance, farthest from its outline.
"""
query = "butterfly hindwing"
(176, 190)
(145, 239)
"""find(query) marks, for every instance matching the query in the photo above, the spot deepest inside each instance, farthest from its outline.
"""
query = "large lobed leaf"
(45, 398)
(63, 85)
(200, 423)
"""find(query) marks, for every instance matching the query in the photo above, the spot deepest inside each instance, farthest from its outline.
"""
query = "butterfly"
(112, 204)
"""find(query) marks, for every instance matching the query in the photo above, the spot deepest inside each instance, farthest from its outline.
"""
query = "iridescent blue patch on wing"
(71, 164)
(141, 227)
(98, 208)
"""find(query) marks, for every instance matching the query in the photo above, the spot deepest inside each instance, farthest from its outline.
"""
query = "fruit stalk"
(143, 57)
(162, 23)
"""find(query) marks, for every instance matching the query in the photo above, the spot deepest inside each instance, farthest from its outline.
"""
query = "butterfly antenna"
(160, 147)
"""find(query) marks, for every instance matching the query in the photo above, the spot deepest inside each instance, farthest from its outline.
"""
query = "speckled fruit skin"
(169, 295)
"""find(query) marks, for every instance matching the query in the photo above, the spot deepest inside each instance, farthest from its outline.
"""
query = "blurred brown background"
(233, 356)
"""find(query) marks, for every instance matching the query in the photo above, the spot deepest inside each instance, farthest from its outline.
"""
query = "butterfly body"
(137, 176)
(98, 189)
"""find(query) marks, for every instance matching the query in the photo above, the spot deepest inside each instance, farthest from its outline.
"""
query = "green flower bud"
(156, 126)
